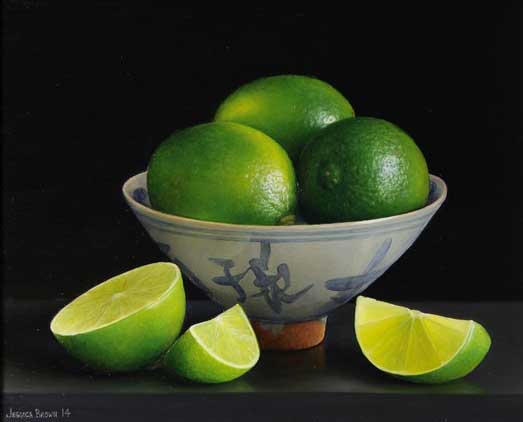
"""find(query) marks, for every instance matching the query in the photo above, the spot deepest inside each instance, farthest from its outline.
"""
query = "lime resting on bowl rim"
(361, 168)
(223, 172)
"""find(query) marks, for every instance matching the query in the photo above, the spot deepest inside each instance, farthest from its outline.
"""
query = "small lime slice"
(215, 351)
(125, 322)
(416, 346)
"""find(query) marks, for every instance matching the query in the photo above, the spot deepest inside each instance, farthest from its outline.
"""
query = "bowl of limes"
(287, 203)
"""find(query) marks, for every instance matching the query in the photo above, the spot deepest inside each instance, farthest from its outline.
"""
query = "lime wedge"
(217, 350)
(416, 346)
(125, 322)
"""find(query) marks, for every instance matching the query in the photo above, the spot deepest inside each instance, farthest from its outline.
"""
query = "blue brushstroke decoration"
(274, 295)
(229, 279)
(348, 287)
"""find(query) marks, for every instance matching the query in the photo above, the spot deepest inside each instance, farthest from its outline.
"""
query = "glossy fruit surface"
(223, 172)
(289, 108)
(359, 169)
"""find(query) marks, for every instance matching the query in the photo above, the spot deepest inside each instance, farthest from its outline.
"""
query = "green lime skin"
(187, 359)
(223, 172)
(360, 169)
(134, 342)
(468, 358)
(289, 108)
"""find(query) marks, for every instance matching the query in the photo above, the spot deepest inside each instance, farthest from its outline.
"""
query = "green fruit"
(127, 322)
(359, 169)
(223, 172)
(215, 351)
(289, 108)
(418, 347)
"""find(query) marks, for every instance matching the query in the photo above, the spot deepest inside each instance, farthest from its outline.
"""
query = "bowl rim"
(212, 225)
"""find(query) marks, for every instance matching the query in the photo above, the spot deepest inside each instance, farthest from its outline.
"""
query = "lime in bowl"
(286, 278)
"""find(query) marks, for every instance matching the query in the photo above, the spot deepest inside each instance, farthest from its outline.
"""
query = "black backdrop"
(89, 91)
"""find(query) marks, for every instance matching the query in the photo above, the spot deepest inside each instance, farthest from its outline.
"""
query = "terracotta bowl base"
(289, 336)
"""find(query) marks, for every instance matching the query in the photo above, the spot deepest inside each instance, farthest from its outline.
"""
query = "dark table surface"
(331, 381)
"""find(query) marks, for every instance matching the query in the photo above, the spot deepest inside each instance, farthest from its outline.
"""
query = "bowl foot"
(289, 336)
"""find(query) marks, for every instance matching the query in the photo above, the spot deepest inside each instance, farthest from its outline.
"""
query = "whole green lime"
(289, 108)
(359, 169)
(223, 172)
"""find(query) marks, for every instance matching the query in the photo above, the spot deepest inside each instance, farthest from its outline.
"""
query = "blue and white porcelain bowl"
(282, 274)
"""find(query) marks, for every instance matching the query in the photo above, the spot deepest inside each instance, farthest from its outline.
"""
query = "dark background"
(90, 91)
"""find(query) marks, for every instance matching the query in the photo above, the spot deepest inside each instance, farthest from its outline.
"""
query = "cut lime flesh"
(417, 346)
(125, 322)
(116, 299)
(217, 350)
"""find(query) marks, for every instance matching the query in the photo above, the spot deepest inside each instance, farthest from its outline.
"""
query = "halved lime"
(217, 350)
(125, 322)
(416, 346)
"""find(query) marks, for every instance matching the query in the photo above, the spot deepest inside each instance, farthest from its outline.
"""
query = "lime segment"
(217, 350)
(417, 346)
(125, 322)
